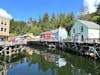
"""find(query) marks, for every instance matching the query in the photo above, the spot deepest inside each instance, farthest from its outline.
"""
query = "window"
(4, 30)
(82, 38)
(1, 29)
(73, 30)
(2, 22)
(81, 28)
(5, 23)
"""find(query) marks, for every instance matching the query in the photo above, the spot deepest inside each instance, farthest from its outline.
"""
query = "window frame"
(73, 30)
(82, 28)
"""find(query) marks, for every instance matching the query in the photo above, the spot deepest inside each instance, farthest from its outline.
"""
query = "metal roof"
(89, 24)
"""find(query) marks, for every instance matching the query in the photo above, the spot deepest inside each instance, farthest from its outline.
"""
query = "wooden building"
(4, 28)
(60, 34)
(83, 31)
(46, 36)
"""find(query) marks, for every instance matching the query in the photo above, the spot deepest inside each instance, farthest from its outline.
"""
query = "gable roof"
(89, 24)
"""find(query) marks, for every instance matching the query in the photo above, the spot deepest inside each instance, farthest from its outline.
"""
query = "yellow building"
(4, 28)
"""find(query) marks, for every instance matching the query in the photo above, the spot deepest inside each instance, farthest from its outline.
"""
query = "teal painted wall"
(77, 27)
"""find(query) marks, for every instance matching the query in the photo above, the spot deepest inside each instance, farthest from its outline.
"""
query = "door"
(78, 37)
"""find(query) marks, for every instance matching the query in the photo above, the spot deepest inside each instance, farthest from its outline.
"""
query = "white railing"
(7, 43)
(92, 40)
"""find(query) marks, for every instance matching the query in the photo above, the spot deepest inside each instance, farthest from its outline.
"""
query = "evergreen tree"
(69, 21)
(98, 10)
(43, 24)
(53, 22)
(45, 17)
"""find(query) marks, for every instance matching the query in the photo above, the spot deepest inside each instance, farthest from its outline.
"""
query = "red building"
(11, 38)
(47, 35)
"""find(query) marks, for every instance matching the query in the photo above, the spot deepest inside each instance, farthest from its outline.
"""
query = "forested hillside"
(44, 23)
(93, 16)
(47, 22)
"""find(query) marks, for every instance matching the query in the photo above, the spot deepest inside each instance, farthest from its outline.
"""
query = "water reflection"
(54, 58)
(3, 70)
(4, 66)
(47, 63)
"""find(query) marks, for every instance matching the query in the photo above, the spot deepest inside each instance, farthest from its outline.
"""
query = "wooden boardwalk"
(11, 48)
(84, 48)
(12, 43)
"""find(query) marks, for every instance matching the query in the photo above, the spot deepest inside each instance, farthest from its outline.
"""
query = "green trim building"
(85, 30)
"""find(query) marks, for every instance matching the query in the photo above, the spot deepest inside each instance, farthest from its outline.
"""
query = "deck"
(88, 48)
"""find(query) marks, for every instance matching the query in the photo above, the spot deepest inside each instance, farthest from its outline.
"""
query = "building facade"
(85, 30)
(46, 36)
(4, 28)
(60, 34)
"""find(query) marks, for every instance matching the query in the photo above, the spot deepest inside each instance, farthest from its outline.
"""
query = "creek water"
(43, 62)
